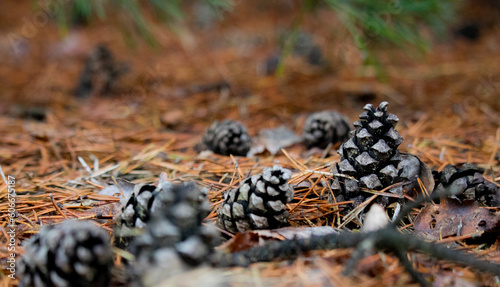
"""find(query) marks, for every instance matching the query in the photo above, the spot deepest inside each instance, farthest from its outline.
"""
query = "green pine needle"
(370, 23)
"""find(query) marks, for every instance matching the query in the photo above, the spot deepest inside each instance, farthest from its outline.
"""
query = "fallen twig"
(387, 239)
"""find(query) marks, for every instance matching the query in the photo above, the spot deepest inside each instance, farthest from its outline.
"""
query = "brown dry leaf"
(452, 218)
(105, 209)
(242, 241)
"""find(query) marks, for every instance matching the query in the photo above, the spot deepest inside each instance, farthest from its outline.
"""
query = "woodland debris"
(454, 218)
(387, 239)
(253, 238)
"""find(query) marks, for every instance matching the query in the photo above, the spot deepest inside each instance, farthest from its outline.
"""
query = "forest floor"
(60, 148)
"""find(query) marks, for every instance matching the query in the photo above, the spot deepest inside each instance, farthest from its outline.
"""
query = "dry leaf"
(452, 218)
(276, 139)
(242, 241)
(105, 209)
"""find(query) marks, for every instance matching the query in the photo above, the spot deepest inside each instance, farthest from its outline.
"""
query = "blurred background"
(174, 66)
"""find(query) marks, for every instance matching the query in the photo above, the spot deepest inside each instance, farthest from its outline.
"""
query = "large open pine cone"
(467, 183)
(73, 253)
(175, 239)
(324, 128)
(227, 137)
(370, 156)
(258, 203)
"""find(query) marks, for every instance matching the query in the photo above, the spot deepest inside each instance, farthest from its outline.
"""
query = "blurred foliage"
(128, 13)
(399, 22)
(370, 23)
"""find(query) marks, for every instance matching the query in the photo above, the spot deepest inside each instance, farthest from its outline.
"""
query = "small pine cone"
(467, 183)
(370, 156)
(73, 253)
(139, 208)
(175, 239)
(324, 128)
(258, 203)
(227, 137)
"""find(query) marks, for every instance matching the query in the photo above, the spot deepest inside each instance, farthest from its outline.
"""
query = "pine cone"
(139, 208)
(73, 253)
(175, 239)
(324, 128)
(370, 156)
(305, 47)
(228, 137)
(258, 203)
(100, 74)
(467, 183)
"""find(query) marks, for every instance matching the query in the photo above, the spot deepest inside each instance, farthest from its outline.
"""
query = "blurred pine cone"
(258, 203)
(370, 157)
(304, 46)
(324, 128)
(175, 239)
(100, 74)
(227, 137)
(73, 253)
(138, 209)
(467, 183)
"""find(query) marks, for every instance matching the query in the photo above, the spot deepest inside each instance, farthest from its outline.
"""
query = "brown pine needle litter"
(448, 114)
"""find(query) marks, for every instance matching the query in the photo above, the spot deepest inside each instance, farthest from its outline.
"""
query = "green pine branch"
(398, 22)
(370, 23)
(167, 11)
